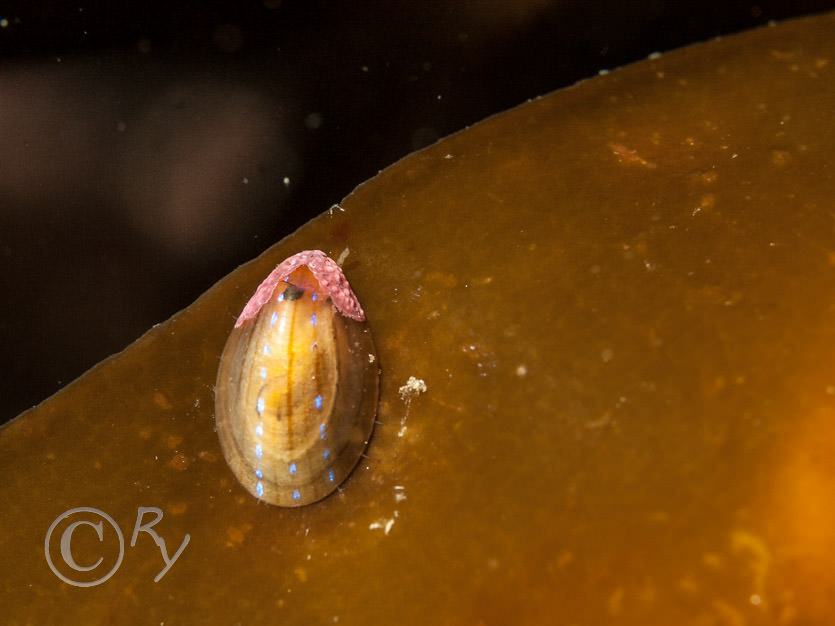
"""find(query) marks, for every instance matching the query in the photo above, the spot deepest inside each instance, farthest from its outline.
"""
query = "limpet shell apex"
(296, 392)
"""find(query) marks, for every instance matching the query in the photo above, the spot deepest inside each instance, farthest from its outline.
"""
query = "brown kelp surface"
(620, 298)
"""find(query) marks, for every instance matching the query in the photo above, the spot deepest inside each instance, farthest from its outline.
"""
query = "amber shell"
(296, 393)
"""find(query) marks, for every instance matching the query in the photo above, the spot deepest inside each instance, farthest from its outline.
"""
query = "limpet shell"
(296, 393)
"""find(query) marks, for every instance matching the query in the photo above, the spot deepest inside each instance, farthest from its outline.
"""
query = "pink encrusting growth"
(332, 283)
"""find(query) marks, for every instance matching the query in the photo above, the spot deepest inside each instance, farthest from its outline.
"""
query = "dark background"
(146, 151)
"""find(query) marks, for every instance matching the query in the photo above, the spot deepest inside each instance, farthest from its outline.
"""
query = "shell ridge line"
(324, 270)
(238, 451)
(291, 361)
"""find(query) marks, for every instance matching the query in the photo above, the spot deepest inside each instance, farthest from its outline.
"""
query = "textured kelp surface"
(620, 298)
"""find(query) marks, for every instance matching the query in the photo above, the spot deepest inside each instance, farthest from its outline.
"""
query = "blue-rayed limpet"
(296, 393)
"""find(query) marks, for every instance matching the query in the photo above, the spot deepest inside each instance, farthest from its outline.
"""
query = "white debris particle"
(342, 256)
(413, 387)
(383, 524)
(521, 370)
